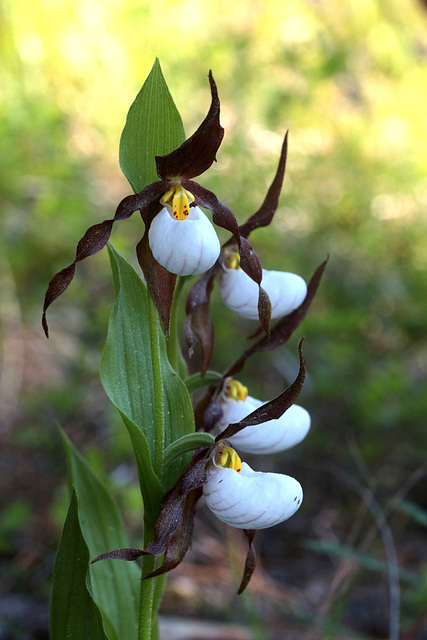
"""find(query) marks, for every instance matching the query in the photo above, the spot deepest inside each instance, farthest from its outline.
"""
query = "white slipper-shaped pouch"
(248, 499)
(268, 437)
(240, 293)
(185, 247)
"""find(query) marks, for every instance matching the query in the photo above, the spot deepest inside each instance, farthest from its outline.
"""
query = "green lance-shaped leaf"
(127, 376)
(153, 128)
(73, 612)
(115, 585)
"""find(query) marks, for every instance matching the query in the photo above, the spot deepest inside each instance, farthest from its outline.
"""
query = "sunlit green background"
(349, 81)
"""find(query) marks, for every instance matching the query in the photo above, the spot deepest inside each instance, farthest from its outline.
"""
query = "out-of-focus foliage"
(349, 80)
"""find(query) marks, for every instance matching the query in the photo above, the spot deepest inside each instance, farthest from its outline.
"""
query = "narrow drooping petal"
(184, 247)
(272, 436)
(249, 499)
(240, 293)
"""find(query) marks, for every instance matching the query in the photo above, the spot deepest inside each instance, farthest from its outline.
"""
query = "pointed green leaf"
(197, 381)
(187, 443)
(153, 127)
(73, 612)
(115, 585)
(127, 377)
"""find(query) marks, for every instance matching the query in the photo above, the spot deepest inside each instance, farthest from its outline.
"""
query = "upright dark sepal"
(198, 152)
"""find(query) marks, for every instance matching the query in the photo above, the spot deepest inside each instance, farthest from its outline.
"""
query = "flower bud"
(240, 293)
(248, 499)
(186, 246)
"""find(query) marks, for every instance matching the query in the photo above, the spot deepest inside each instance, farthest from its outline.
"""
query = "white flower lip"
(251, 499)
(240, 293)
(185, 247)
(268, 437)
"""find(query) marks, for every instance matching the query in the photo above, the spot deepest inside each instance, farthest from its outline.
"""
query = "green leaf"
(197, 381)
(115, 585)
(73, 612)
(190, 442)
(153, 127)
(127, 376)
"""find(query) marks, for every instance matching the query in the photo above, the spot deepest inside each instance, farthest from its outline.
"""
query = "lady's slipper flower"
(174, 189)
(248, 499)
(272, 436)
(239, 293)
(183, 245)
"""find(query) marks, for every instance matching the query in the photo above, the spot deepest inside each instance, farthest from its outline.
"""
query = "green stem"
(175, 356)
(159, 422)
(146, 600)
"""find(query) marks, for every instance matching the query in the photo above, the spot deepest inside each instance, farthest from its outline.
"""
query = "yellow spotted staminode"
(227, 458)
(177, 197)
(236, 390)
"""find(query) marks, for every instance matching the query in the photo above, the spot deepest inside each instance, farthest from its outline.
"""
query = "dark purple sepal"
(250, 562)
(208, 410)
(120, 554)
(174, 526)
(273, 409)
(198, 326)
(265, 213)
(159, 280)
(179, 542)
(198, 152)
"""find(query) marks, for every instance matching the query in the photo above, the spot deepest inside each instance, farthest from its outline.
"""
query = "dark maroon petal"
(141, 201)
(120, 554)
(221, 215)
(56, 287)
(97, 236)
(197, 153)
(273, 409)
(198, 325)
(265, 213)
(284, 328)
(250, 563)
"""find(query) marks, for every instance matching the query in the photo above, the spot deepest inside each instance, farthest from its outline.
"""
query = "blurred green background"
(349, 81)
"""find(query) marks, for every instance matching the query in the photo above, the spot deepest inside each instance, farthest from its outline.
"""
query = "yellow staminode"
(232, 260)
(236, 390)
(228, 458)
(178, 198)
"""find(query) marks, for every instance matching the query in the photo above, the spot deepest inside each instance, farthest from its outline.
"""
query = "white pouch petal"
(273, 436)
(185, 247)
(240, 293)
(251, 499)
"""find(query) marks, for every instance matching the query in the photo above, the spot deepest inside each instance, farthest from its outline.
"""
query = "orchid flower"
(181, 240)
(272, 436)
(239, 293)
(247, 499)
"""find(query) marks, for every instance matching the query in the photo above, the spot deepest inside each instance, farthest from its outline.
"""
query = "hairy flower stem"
(158, 388)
